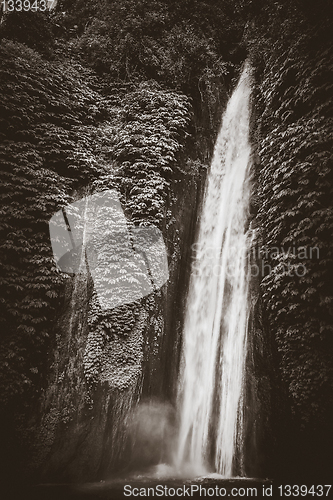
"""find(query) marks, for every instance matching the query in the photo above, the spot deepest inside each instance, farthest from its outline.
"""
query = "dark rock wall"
(291, 52)
(102, 365)
(84, 425)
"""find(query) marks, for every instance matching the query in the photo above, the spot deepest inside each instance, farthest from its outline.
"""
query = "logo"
(92, 235)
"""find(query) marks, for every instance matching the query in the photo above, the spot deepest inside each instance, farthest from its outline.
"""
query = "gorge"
(218, 369)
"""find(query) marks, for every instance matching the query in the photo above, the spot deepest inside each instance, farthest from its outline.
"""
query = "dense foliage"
(145, 155)
(50, 146)
(294, 135)
(34, 29)
(57, 137)
(188, 45)
(178, 43)
(61, 129)
(63, 133)
(105, 94)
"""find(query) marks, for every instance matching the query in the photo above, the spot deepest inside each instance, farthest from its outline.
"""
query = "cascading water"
(216, 318)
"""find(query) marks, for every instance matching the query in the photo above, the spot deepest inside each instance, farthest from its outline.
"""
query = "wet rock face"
(134, 138)
(82, 431)
(260, 393)
(102, 363)
(293, 139)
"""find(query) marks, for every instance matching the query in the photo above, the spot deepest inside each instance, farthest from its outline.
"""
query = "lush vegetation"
(63, 128)
(295, 213)
(48, 149)
(129, 95)
(145, 157)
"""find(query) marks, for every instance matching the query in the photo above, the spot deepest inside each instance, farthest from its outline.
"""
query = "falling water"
(215, 329)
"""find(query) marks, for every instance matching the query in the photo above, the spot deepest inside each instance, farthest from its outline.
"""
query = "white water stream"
(215, 330)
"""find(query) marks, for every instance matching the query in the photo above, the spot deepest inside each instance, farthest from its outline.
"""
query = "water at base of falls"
(216, 317)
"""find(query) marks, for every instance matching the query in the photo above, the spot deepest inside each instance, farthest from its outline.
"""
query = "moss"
(294, 215)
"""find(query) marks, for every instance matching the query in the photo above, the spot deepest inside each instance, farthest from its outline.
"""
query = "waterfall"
(216, 317)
